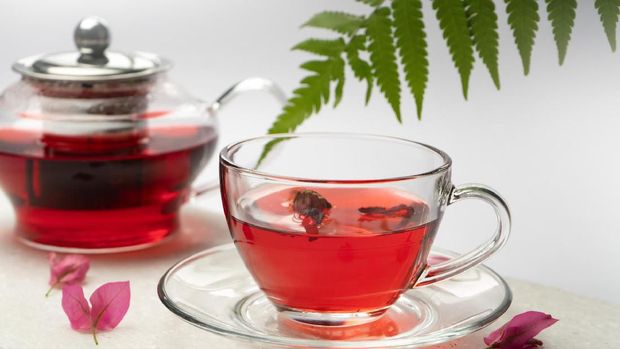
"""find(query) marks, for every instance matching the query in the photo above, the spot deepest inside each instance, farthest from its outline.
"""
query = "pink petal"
(519, 331)
(76, 307)
(70, 269)
(110, 304)
(495, 336)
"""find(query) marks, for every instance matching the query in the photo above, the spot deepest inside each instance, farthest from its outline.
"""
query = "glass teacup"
(335, 227)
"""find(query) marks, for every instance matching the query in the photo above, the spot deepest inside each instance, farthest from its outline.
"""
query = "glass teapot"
(98, 150)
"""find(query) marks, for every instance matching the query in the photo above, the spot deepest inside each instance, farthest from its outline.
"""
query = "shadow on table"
(200, 229)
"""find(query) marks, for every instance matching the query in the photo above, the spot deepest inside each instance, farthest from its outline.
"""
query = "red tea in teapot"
(98, 148)
(94, 193)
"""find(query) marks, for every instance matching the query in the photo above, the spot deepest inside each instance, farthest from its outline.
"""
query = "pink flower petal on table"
(518, 333)
(76, 307)
(67, 270)
(110, 303)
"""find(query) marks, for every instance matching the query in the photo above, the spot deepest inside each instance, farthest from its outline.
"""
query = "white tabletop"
(29, 320)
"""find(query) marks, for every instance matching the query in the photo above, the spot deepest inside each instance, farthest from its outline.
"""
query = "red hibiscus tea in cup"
(333, 249)
(335, 227)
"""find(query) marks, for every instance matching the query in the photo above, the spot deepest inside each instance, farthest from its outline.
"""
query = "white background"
(548, 142)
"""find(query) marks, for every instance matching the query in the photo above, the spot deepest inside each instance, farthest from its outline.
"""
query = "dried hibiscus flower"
(312, 208)
(377, 212)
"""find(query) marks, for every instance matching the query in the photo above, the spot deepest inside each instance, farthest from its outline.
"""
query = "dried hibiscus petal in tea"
(376, 212)
(312, 209)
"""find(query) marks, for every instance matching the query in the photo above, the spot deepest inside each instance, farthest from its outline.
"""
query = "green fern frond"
(483, 27)
(411, 41)
(453, 23)
(383, 57)
(398, 29)
(321, 47)
(340, 22)
(523, 19)
(609, 10)
(361, 69)
(561, 14)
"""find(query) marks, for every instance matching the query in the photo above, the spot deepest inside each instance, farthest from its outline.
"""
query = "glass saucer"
(213, 291)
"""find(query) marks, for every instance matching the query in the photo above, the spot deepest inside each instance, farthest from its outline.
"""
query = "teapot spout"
(249, 84)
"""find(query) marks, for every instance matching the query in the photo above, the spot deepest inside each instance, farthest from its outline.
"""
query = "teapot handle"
(246, 85)
(243, 86)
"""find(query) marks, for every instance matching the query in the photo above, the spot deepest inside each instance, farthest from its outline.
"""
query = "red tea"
(369, 245)
(100, 192)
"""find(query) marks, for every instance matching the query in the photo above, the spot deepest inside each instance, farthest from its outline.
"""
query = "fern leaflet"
(411, 41)
(339, 22)
(361, 69)
(329, 48)
(523, 19)
(453, 23)
(383, 57)
(483, 28)
(562, 13)
(609, 10)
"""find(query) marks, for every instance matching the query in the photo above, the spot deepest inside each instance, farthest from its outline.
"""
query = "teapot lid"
(91, 63)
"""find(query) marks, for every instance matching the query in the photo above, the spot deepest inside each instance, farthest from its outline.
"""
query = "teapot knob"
(92, 37)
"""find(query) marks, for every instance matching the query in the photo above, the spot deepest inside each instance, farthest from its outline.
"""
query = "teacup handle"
(450, 268)
(243, 86)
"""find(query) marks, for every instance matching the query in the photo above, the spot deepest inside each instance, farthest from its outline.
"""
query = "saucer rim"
(318, 343)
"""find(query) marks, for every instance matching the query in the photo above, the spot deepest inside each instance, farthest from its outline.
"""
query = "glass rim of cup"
(227, 153)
